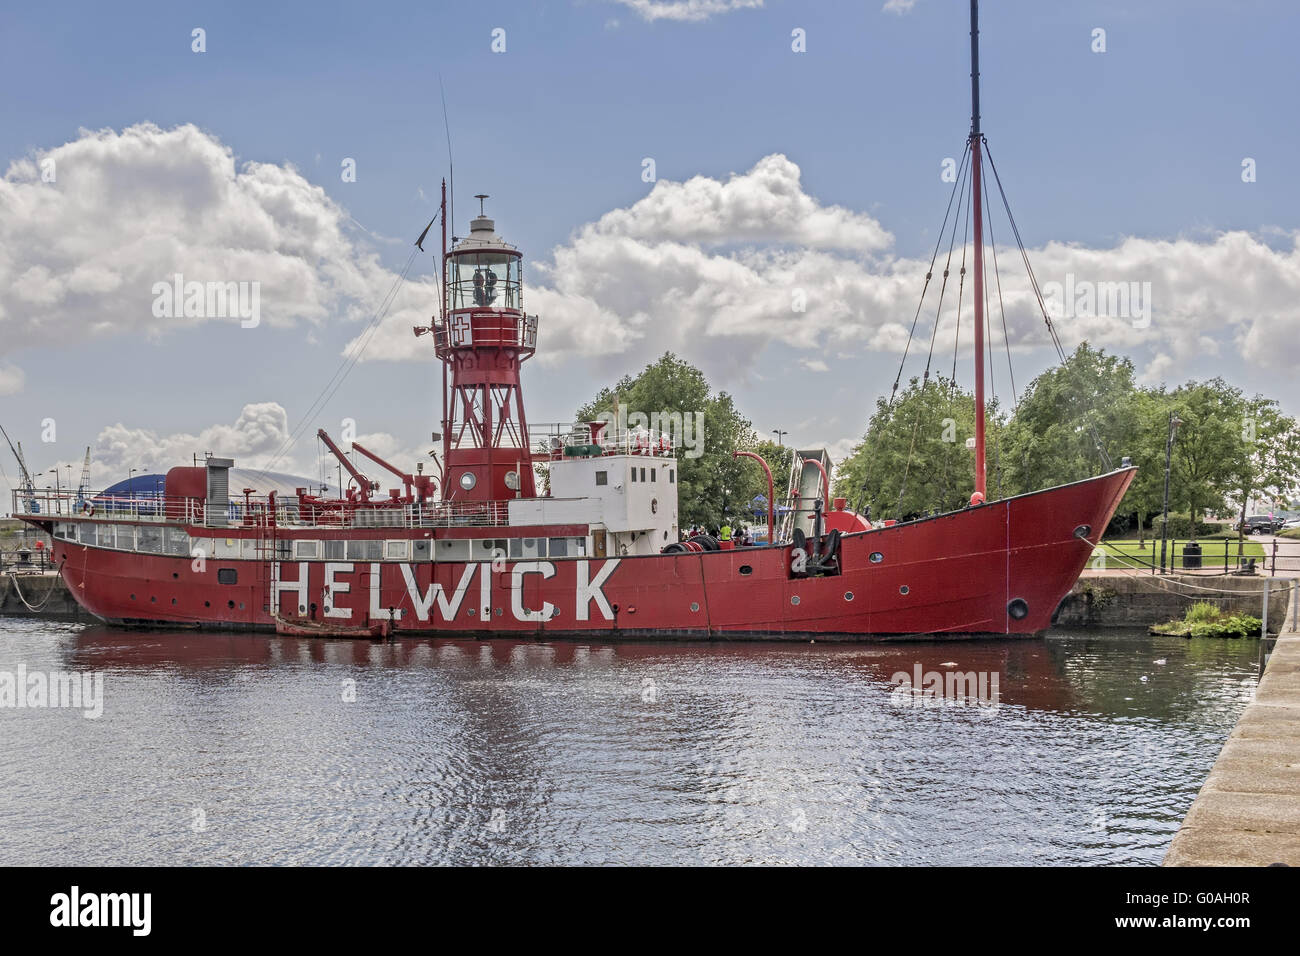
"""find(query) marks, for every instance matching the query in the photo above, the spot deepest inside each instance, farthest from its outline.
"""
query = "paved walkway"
(1248, 811)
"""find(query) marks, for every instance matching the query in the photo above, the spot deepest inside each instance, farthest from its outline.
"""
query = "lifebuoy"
(88, 509)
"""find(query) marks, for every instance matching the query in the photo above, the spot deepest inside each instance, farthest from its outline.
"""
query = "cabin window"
(397, 550)
(643, 474)
(558, 547)
(420, 550)
(634, 474)
(527, 547)
(488, 548)
(126, 537)
(307, 549)
(105, 536)
(334, 549)
(150, 539)
(87, 532)
(178, 542)
(672, 479)
(452, 549)
(365, 550)
(227, 576)
(652, 474)
(602, 477)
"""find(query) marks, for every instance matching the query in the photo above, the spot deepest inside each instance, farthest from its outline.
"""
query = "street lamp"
(58, 504)
(779, 433)
(1174, 422)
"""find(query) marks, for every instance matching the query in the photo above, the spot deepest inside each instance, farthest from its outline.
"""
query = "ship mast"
(977, 200)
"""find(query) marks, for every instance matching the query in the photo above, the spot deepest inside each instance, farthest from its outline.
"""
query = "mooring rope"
(34, 608)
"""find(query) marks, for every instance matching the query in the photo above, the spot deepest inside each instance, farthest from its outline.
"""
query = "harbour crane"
(28, 486)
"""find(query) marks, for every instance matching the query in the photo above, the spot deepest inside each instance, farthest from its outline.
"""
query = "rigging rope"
(938, 312)
(1038, 294)
(930, 272)
(341, 373)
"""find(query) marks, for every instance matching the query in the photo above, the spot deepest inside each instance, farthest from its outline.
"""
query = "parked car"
(1262, 524)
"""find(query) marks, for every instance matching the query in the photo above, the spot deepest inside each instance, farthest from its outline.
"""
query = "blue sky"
(1142, 142)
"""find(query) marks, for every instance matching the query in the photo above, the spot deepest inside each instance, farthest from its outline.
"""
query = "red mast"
(977, 199)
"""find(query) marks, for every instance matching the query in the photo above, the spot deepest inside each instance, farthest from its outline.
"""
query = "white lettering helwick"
(72, 909)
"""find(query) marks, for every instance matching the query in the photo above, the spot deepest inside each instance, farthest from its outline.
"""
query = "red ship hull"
(997, 569)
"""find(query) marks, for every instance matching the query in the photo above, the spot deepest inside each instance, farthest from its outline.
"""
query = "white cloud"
(686, 10)
(253, 439)
(711, 268)
(899, 7)
(12, 379)
(129, 209)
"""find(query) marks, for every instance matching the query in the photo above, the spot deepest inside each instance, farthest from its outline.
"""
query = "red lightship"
(476, 550)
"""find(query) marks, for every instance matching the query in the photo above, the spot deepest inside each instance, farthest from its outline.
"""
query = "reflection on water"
(243, 749)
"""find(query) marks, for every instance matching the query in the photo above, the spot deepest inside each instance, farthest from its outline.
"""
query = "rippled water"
(242, 749)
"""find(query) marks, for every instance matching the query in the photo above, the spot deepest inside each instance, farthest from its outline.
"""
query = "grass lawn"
(1211, 551)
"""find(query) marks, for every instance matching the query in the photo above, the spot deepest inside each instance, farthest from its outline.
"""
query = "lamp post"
(779, 433)
(1174, 422)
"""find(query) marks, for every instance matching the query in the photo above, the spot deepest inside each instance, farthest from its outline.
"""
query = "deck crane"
(423, 483)
(364, 485)
(28, 486)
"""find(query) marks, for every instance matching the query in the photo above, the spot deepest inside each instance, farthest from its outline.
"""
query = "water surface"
(242, 749)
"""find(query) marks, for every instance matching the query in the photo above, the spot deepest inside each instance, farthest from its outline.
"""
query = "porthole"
(876, 557)
(230, 605)
(468, 480)
(153, 599)
(175, 576)
(695, 606)
(794, 599)
(746, 569)
(904, 589)
(1018, 609)
(207, 604)
(512, 480)
(848, 595)
(132, 597)
(173, 600)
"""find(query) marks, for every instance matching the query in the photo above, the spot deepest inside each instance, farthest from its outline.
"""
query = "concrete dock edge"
(1248, 811)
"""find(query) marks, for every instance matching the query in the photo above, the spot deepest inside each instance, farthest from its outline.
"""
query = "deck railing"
(257, 511)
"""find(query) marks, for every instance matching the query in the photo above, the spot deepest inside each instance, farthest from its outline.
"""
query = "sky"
(798, 153)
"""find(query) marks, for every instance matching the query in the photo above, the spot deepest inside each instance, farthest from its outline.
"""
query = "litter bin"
(1191, 555)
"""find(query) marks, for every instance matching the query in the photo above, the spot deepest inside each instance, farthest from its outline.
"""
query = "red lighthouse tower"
(483, 338)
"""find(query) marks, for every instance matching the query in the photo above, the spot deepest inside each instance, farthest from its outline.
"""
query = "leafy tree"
(913, 458)
(711, 485)
(1209, 449)
(1269, 465)
(1050, 436)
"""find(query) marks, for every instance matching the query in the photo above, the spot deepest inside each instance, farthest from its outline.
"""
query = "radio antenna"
(451, 165)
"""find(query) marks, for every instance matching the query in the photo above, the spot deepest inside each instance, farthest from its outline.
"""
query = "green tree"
(1209, 449)
(1050, 437)
(914, 458)
(711, 485)
(1269, 465)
